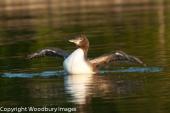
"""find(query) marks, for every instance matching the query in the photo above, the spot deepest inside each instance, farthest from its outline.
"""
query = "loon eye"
(80, 38)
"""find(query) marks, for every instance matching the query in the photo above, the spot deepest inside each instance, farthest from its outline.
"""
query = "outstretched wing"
(49, 52)
(118, 56)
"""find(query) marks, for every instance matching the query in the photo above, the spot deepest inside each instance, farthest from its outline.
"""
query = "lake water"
(141, 30)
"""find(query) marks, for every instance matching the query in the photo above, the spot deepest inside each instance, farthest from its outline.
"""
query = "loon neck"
(85, 47)
(85, 50)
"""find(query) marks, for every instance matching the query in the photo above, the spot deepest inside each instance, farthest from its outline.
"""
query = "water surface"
(140, 29)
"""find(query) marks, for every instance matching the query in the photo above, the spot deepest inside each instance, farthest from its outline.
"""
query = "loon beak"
(75, 41)
(72, 40)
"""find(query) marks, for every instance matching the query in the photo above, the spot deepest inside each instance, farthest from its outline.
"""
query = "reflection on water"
(77, 86)
(126, 91)
(138, 27)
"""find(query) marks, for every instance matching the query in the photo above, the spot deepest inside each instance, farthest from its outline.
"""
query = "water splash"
(134, 70)
(31, 75)
(63, 73)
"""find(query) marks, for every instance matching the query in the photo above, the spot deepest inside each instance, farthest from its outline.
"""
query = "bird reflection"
(83, 88)
(79, 89)
(77, 86)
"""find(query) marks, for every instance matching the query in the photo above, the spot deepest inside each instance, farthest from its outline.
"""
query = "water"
(140, 29)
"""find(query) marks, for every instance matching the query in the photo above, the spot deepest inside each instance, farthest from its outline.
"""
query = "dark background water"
(139, 27)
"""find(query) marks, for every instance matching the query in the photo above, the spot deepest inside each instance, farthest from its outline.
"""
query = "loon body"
(78, 63)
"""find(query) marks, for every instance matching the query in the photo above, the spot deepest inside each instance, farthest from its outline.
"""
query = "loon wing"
(49, 52)
(118, 56)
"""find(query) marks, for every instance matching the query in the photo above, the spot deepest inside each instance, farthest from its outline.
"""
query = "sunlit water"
(141, 30)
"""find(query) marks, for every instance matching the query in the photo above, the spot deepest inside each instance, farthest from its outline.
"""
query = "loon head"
(82, 42)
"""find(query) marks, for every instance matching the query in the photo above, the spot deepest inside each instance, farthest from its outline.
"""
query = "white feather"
(76, 63)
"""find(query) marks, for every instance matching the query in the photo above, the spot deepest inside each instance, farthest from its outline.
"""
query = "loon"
(77, 61)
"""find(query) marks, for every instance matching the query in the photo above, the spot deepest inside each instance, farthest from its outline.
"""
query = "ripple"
(31, 75)
(63, 73)
(135, 70)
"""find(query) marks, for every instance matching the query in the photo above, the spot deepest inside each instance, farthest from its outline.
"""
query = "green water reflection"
(141, 29)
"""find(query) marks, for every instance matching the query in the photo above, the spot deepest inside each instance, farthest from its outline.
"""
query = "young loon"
(78, 63)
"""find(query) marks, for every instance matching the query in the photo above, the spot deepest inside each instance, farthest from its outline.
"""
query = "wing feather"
(53, 52)
(118, 56)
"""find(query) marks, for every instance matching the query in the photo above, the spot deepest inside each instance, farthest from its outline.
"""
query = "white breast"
(76, 63)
